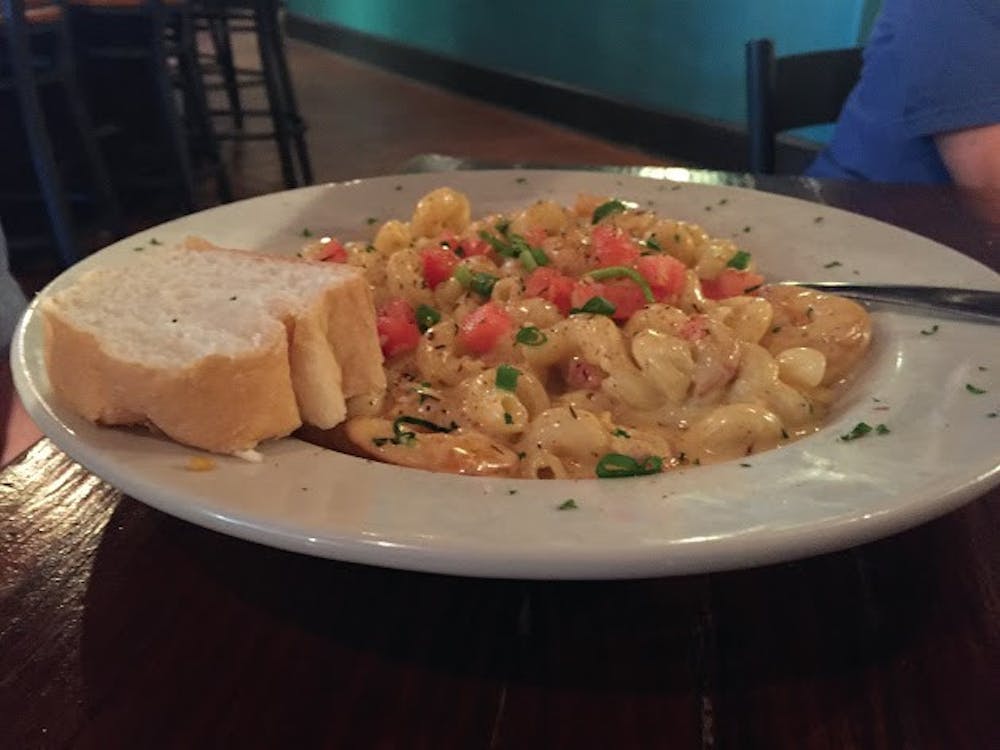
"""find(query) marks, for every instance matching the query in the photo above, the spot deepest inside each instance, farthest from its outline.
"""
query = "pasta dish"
(597, 340)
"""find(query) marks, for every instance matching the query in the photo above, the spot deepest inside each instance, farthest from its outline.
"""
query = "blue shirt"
(930, 66)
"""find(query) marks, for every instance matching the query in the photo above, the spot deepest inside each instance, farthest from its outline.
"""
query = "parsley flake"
(930, 331)
(860, 430)
(619, 432)
(306, 232)
(832, 264)
(567, 505)
(974, 390)
(154, 241)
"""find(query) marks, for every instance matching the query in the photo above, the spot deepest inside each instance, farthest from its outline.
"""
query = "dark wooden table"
(123, 627)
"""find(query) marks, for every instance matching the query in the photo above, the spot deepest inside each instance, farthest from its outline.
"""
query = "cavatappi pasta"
(597, 340)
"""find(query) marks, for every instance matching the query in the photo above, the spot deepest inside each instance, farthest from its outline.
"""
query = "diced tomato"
(547, 283)
(397, 328)
(535, 236)
(332, 252)
(624, 294)
(438, 264)
(483, 328)
(473, 246)
(612, 247)
(695, 329)
(730, 283)
(664, 273)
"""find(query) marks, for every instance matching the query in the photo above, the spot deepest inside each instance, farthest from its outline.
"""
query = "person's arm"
(972, 155)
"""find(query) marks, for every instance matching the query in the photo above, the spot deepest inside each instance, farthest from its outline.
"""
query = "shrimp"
(459, 452)
(837, 327)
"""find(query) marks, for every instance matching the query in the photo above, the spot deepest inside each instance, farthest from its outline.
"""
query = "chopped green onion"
(426, 317)
(498, 244)
(517, 247)
(652, 244)
(530, 336)
(482, 284)
(405, 437)
(502, 225)
(621, 272)
(507, 378)
(606, 209)
(595, 305)
(740, 261)
(614, 465)
(528, 260)
(479, 282)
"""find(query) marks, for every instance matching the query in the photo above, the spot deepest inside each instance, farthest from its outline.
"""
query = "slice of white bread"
(216, 348)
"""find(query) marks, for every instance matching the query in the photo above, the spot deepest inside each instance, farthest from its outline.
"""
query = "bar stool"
(160, 34)
(35, 52)
(222, 18)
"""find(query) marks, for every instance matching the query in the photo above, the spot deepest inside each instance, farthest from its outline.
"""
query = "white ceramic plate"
(815, 495)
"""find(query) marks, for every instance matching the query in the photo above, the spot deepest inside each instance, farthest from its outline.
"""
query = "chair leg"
(99, 174)
(291, 107)
(266, 30)
(172, 121)
(222, 42)
(42, 155)
(187, 60)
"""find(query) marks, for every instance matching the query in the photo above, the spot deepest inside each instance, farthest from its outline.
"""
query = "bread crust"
(220, 404)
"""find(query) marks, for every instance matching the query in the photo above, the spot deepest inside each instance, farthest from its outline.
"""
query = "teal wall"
(682, 55)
